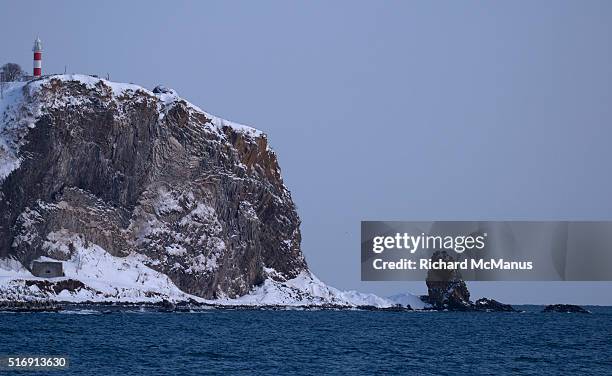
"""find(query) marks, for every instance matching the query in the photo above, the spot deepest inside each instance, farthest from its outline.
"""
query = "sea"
(311, 342)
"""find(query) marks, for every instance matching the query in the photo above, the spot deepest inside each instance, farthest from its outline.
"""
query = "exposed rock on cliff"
(86, 164)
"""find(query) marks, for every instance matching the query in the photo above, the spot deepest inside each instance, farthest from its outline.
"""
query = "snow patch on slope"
(106, 277)
(127, 279)
(11, 268)
(406, 299)
(307, 290)
(15, 120)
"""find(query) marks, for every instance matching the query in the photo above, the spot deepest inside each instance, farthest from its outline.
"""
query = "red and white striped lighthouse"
(37, 57)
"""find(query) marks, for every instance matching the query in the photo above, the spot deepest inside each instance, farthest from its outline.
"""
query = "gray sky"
(393, 110)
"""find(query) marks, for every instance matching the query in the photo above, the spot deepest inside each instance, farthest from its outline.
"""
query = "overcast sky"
(393, 110)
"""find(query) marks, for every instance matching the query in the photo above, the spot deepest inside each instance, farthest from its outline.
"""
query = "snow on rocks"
(107, 278)
(23, 103)
(15, 120)
(186, 234)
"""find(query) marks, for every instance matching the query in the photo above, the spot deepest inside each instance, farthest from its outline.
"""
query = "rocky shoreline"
(447, 292)
(167, 306)
(481, 305)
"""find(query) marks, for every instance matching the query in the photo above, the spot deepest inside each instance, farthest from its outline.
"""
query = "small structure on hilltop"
(47, 269)
(37, 49)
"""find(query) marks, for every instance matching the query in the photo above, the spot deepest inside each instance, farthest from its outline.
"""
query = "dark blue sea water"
(315, 342)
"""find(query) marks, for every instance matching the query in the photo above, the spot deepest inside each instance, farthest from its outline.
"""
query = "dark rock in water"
(492, 305)
(394, 308)
(167, 306)
(446, 289)
(397, 308)
(564, 308)
(194, 197)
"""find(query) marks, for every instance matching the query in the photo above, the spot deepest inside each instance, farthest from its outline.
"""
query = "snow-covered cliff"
(145, 197)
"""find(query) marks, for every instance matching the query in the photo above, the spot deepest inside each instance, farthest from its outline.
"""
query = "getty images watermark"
(487, 250)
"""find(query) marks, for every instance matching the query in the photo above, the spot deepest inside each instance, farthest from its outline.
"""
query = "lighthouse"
(37, 57)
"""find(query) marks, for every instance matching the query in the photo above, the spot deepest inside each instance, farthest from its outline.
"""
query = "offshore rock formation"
(564, 308)
(445, 288)
(487, 305)
(90, 166)
(448, 291)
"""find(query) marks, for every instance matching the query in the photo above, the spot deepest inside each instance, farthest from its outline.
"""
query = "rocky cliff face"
(89, 163)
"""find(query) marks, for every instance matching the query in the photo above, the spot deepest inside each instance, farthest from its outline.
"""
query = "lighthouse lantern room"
(37, 58)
